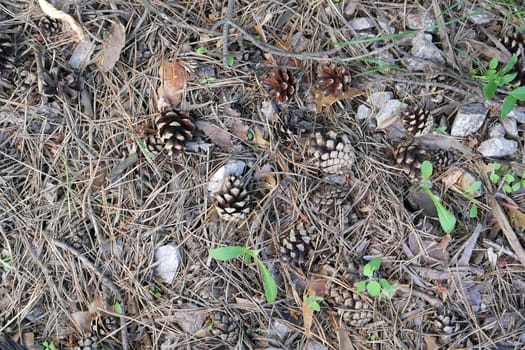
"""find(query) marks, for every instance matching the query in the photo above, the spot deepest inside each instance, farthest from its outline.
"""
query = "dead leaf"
(308, 316)
(82, 320)
(112, 47)
(217, 135)
(172, 82)
(344, 340)
(430, 252)
(259, 140)
(323, 101)
(517, 219)
(82, 52)
(509, 233)
(431, 343)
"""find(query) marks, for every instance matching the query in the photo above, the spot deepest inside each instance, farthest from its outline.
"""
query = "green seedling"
(230, 60)
(375, 286)
(118, 308)
(49, 345)
(156, 292)
(207, 80)
(313, 301)
(511, 183)
(469, 194)
(232, 252)
(509, 102)
(368, 339)
(201, 50)
(447, 220)
(494, 79)
(6, 264)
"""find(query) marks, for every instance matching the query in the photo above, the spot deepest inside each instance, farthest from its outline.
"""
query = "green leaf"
(516, 186)
(447, 220)
(473, 211)
(496, 166)
(489, 89)
(269, 284)
(230, 60)
(493, 64)
(375, 263)
(361, 286)
(373, 288)
(388, 289)
(474, 187)
(509, 178)
(507, 78)
(507, 188)
(201, 50)
(518, 93)
(314, 306)
(508, 104)
(494, 178)
(426, 170)
(228, 253)
(117, 307)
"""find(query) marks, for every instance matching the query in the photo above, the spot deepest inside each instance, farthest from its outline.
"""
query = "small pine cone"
(333, 154)
(63, 82)
(174, 129)
(7, 58)
(351, 307)
(418, 121)
(232, 202)
(443, 158)
(445, 325)
(409, 155)
(222, 326)
(333, 79)
(253, 56)
(88, 342)
(328, 195)
(280, 85)
(298, 243)
(50, 27)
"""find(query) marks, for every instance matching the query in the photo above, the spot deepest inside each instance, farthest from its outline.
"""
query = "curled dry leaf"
(430, 251)
(82, 53)
(172, 82)
(217, 135)
(323, 102)
(112, 47)
(82, 320)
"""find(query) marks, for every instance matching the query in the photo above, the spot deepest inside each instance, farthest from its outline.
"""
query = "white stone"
(498, 147)
(518, 115)
(388, 114)
(363, 112)
(362, 23)
(497, 131)
(420, 20)
(168, 259)
(423, 47)
(378, 99)
(469, 119)
(511, 126)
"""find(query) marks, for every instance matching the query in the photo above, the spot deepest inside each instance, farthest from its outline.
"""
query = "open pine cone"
(333, 79)
(224, 327)
(332, 153)
(232, 202)
(6, 59)
(443, 158)
(410, 155)
(63, 82)
(50, 27)
(280, 85)
(298, 243)
(174, 128)
(351, 307)
(417, 121)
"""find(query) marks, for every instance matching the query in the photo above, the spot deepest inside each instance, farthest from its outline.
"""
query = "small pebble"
(469, 119)
(498, 147)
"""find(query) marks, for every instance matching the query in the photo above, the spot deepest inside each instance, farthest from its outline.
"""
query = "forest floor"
(107, 238)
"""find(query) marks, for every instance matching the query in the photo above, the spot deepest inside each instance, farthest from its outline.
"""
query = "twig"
(225, 28)
(500, 248)
(410, 291)
(106, 282)
(469, 246)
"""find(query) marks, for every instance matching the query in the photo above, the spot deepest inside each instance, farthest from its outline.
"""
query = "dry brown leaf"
(172, 82)
(217, 135)
(431, 252)
(259, 140)
(323, 101)
(82, 52)
(431, 343)
(112, 47)
(344, 340)
(517, 219)
(308, 315)
(82, 320)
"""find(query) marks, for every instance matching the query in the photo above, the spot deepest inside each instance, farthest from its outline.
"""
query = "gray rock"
(498, 147)
(362, 23)
(363, 112)
(511, 126)
(378, 99)
(518, 115)
(423, 47)
(469, 119)
(483, 17)
(497, 131)
(389, 113)
(420, 20)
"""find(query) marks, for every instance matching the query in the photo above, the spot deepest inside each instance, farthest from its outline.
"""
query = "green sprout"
(201, 50)
(118, 308)
(511, 183)
(232, 252)
(49, 345)
(447, 220)
(469, 194)
(374, 286)
(313, 301)
(6, 264)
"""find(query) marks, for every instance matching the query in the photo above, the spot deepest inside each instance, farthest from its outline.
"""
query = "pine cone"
(333, 79)
(280, 85)
(174, 128)
(89, 342)
(50, 27)
(7, 58)
(445, 324)
(298, 243)
(417, 121)
(351, 307)
(515, 42)
(222, 326)
(233, 200)
(63, 82)
(333, 154)
(443, 158)
(409, 155)
(328, 195)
